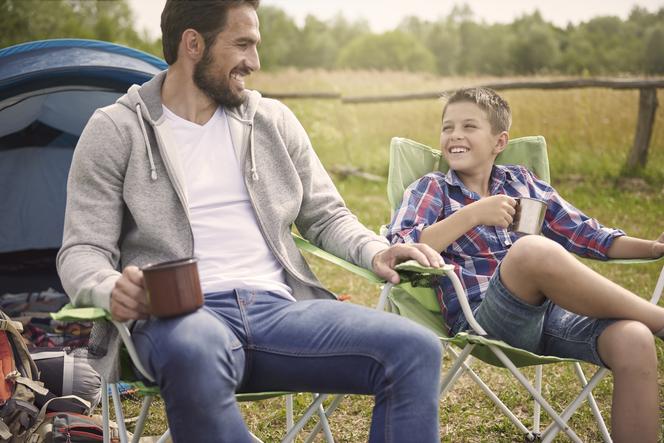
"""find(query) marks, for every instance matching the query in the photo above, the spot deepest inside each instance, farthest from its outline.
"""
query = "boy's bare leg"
(627, 347)
(536, 268)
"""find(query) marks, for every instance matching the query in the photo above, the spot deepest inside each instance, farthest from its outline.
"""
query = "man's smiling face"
(234, 55)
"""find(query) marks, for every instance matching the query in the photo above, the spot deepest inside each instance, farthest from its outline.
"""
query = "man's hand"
(658, 247)
(384, 262)
(128, 297)
(497, 210)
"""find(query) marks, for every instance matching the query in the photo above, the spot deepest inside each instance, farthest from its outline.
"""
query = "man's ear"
(192, 44)
(501, 142)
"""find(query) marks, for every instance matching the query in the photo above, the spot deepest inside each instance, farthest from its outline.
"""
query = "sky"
(560, 12)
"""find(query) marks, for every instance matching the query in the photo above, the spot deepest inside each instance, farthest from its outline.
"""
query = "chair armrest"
(69, 313)
(305, 245)
(659, 286)
(633, 261)
(447, 270)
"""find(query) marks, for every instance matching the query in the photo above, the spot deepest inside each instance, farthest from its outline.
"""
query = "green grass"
(589, 133)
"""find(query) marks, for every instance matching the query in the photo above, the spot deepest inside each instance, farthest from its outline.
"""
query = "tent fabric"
(52, 63)
(34, 183)
(65, 111)
(48, 91)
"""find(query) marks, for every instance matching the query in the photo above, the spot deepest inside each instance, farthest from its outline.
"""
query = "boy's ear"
(501, 142)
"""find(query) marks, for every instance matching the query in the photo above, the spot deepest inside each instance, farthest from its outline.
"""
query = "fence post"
(638, 156)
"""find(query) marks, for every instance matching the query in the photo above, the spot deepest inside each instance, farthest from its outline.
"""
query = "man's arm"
(631, 247)
(88, 259)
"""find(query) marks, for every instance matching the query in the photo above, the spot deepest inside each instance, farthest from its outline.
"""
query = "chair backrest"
(410, 160)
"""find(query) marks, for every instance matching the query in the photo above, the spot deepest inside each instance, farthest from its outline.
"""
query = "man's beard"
(217, 89)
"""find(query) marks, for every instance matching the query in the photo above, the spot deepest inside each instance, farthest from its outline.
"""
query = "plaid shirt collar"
(499, 176)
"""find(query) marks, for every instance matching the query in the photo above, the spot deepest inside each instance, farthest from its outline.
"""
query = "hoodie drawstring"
(153, 169)
(254, 171)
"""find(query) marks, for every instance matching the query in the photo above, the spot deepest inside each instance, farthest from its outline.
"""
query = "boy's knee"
(534, 251)
(628, 345)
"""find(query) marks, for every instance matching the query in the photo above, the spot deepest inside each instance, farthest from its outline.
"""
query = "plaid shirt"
(476, 254)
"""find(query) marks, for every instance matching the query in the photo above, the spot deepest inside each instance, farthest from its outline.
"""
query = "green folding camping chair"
(416, 300)
(70, 313)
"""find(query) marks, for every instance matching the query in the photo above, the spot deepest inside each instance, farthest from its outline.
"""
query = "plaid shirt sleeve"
(569, 226)
(421, 206)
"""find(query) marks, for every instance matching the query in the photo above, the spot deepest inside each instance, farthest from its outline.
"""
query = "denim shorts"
(546, 329)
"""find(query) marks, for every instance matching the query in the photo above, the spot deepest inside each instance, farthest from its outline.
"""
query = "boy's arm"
(630, 247)
(497, 210)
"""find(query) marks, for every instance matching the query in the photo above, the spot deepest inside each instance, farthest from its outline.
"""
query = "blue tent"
(48, 90)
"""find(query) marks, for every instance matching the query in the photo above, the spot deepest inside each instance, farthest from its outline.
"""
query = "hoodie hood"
(145, 101)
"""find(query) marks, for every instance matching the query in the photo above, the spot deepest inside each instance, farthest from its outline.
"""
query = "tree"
(535, 46)
(28, 20)
(279, 35)
(654, 50)
(391, 50)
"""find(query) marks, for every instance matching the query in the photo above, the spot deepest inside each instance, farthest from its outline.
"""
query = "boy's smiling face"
(467, 140)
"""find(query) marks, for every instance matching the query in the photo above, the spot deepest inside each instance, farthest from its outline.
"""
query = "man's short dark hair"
(208, 17)
(497, 109)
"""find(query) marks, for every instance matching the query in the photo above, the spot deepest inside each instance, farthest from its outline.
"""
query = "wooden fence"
(638, 156)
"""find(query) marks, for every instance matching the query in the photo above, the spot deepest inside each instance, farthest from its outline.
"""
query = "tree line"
(456, 44)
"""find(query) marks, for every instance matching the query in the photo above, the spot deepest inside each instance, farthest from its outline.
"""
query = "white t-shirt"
(231, 250)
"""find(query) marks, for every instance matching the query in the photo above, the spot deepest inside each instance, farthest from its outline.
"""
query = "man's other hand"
(384, 262)
(128, 297)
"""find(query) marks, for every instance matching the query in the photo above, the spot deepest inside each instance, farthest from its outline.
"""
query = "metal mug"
(173, 287)
(529, 216)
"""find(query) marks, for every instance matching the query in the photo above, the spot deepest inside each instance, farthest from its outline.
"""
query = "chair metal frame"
(461, 360)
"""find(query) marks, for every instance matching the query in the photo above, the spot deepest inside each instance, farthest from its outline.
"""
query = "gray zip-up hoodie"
(127, 205)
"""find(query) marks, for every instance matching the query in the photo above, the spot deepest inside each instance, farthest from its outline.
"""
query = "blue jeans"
(247, 341)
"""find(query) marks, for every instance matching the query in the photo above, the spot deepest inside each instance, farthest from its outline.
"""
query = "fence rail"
(648, 103)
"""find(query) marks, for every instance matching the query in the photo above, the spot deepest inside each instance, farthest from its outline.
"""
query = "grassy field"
(589, 134)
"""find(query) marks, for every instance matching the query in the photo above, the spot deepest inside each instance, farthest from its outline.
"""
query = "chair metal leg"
(105, 415)
(537, 409)
(322, 416)
(167, 435)
(142, 417)
(297, 427)
(289, 416)
(382, 300)
(119, 416)
(336, 401)
(553, 429)
(488, 392)
(450, 375)
(659, 288)
(538, 397)
(591, 401)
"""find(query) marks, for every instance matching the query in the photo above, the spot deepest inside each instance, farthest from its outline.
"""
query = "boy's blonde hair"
(497, 109)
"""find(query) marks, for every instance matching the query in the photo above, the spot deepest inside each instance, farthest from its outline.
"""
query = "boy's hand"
(497, 210)
(658, 247)
(128, 297)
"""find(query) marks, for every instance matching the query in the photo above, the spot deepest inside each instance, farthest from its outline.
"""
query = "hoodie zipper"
(171, 174)
(260, 222)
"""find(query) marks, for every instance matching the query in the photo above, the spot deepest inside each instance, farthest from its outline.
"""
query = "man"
(191, 163)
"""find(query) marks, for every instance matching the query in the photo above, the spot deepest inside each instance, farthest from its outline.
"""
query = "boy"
(532, 293)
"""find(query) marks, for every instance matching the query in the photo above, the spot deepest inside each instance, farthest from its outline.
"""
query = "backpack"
(19, 381)
(69, 427)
